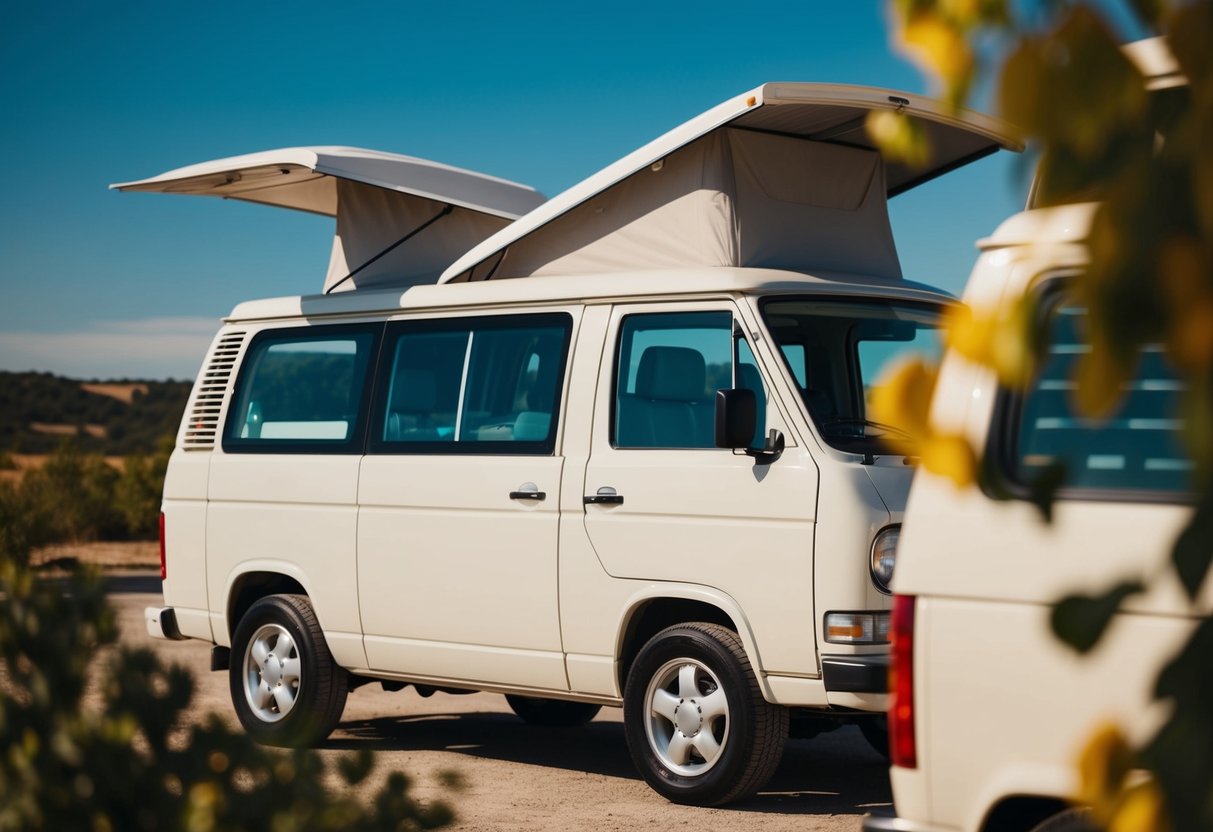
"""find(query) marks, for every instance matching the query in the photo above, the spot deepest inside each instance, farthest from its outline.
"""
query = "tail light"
(902, 749)
(163, 564)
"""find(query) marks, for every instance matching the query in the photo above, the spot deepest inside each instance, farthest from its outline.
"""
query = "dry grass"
(122, 392)
(135, 554)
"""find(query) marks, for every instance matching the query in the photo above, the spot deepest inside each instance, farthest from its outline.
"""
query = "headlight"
(884, 556)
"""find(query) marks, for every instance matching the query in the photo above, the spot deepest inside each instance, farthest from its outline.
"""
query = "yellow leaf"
(939, 48)
(1098, 379)
(1187, 281)
(1103, 764)
(899, 138)
(1141, 809)
(902, 398)
(1011, 349)
(951, 456)
(968, 333)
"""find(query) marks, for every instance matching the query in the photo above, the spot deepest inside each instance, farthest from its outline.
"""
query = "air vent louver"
(213, 389)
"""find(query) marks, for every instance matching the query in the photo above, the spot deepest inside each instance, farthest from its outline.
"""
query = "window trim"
(354, 443)
(377, 415)
(1051, 288)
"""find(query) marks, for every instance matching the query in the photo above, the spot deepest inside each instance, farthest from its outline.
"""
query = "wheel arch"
(247, 587)
(1023, 811)
(652, 610)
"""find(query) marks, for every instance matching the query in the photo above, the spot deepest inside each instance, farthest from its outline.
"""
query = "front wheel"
(697, 726)
(285, 686)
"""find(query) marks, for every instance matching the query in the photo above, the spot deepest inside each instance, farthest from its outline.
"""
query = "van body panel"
(184, 507)
(290, 509)
(974, 645)
(691, 515)
(452, 571)
(857, 512)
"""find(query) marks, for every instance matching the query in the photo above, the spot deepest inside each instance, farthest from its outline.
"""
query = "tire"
(723, 750)
(876, 731)
(291, 700)
(552, 713)
(1071, 820)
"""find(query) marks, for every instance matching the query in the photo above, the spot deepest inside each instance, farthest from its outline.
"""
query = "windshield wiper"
(855, 421)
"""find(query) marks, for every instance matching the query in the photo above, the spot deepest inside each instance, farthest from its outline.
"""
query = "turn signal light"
(857, 627)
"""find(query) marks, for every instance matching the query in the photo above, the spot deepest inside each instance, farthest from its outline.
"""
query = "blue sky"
(102, 284)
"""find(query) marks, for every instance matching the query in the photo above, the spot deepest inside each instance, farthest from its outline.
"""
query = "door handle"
(528, 491)
(605, 496)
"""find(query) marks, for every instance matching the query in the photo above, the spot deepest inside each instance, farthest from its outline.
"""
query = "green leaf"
(1181, 754)
(1080, 620)
(1193, 551)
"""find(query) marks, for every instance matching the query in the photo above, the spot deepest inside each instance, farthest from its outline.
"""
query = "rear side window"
(1135, 450)
(472, 385)
(302, 390)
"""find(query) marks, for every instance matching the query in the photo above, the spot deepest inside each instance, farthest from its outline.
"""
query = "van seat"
(668, 409)
(411, 410)
(532, 426)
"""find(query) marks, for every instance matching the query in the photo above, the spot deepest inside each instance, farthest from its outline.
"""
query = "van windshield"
(836, 350)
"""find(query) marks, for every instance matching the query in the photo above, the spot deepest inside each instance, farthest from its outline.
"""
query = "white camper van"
(990, 711)
(617, 455)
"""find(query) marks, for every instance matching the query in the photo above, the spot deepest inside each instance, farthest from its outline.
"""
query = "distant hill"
(39, 410)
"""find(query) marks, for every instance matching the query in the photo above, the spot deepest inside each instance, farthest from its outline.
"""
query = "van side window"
(1137, 448)
(472, 385)
(670, 366)
(302, 390)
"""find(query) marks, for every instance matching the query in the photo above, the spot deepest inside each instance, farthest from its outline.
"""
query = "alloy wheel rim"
(686, 717)
(272, 673)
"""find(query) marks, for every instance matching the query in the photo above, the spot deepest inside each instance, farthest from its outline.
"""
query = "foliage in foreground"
(130, 761)
(1147, 158)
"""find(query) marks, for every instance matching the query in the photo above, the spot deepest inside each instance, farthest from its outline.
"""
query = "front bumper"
(162, 623)
(856, 673)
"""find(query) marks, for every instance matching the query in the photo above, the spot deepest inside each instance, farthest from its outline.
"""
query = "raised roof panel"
(400, 219)
(784, 176)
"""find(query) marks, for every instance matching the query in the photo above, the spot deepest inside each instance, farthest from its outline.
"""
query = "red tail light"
(901, 684)
(163, 565)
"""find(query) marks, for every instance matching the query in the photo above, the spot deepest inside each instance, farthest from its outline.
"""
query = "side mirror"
(736, 417)
(736, 412)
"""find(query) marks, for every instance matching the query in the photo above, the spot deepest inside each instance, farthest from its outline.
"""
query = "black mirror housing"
(736, 418)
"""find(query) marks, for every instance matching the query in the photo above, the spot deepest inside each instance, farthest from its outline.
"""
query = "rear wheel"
(697, 726)
(552, 713)
(285, 686)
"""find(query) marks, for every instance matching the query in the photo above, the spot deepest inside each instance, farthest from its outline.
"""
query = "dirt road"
(524, 778)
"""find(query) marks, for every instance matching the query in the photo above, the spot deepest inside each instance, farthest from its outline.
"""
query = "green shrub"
(137, 491)
(130, 762)
(75, 491)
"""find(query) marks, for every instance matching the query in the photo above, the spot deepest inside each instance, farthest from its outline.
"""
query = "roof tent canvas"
(784, 176)
(399, 220)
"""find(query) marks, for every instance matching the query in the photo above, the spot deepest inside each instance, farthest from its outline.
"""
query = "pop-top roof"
(400, 219)
(783, 176)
